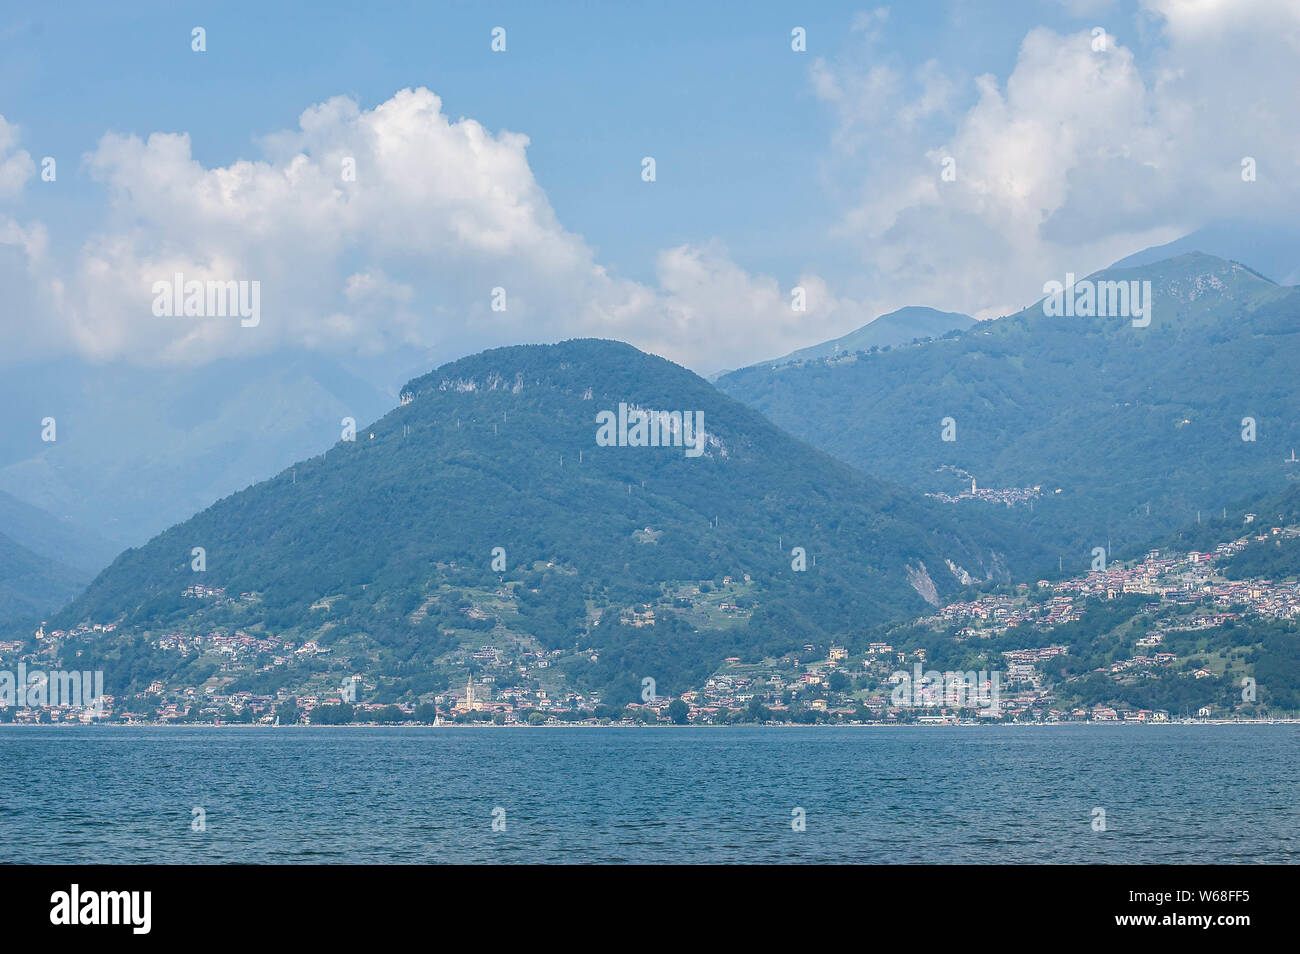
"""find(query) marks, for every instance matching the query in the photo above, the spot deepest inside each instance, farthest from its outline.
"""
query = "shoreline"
(619, 725)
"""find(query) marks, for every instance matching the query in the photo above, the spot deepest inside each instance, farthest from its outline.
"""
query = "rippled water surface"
(944, 794)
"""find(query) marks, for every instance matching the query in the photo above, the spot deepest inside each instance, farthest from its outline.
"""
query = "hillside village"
(513, 682)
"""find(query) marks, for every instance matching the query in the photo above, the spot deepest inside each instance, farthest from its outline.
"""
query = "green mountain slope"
(1255, 515)
(1137, 427)
(56, 539)
(896, 328)
(381, 549)
(31, 587)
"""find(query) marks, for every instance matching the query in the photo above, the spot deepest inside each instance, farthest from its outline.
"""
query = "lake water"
(1171, 794)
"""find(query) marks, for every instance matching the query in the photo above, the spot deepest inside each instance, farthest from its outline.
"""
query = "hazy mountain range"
(384, 544)
(1273, 251)
(1127, 431)
(898, 327)
(137, 449)
(31, 584)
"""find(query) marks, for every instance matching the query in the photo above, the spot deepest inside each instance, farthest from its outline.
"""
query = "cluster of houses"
(1008, 496)
(1191, 579)
(1186, 580)
(993, 615)
(515, 683)
(235, 644)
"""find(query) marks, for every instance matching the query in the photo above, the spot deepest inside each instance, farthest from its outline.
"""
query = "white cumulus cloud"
(1082, 155)
(370, 230)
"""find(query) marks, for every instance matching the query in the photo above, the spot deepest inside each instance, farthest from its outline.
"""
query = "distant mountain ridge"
(138, 448)
(896, 328)
(1271, 251)
(44, 561)
(32, 587)
(1138, 427)
(62, 541)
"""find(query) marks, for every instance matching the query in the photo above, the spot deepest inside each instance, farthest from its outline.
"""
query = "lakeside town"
(881, 681)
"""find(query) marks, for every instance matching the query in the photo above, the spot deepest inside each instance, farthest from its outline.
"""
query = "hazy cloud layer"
(1081, 156)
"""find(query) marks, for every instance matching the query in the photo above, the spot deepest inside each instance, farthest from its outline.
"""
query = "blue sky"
(713, 91)
(772, 165)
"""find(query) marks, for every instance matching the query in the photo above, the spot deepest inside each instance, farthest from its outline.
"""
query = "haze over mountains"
(898, 327)
(44, 561)
(1273, 251)
(31, 585)
(1137, 427)
(138, 449)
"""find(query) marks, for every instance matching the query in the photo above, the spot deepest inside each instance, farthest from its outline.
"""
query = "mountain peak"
(487, 502)
(1268, 250)
(899, 327)
(1194, 285)
(1193, 264)
(569, 361)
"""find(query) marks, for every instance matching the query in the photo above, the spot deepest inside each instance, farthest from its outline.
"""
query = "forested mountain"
(385, 549)
(1128, 431)
(60, 540)
(31, 586)
(1256, 515)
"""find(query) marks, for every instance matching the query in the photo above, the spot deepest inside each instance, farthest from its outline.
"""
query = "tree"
(287, 712)
(678, 711)
(390, 714)
(333, 714)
